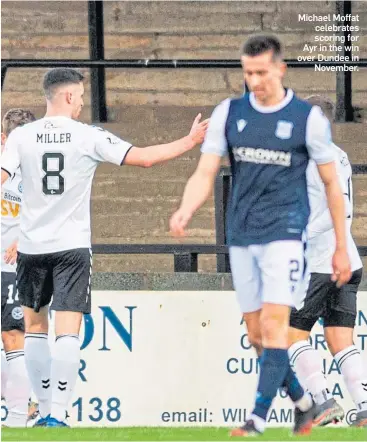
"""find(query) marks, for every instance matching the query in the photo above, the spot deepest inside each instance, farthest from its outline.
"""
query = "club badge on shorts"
(17, 313)
(284, 129)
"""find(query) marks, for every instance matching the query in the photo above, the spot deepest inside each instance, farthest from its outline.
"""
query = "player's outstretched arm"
(341, 264)
(151, 155)
(197, 191)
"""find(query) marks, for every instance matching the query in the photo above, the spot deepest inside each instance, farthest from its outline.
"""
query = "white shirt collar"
(269, 109)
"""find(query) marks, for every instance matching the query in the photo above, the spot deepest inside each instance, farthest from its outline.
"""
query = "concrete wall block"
(58, 17)
(165, 80)
(176, 17)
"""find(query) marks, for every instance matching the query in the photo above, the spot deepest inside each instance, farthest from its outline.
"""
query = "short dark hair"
(327, 106)
(60, 76)
(15, 118)
(258, 44)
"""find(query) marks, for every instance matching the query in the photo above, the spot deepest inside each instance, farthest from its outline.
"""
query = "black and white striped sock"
(307, 363)
(18, 389)
(38, 362)
(64, 373)
(352, 367)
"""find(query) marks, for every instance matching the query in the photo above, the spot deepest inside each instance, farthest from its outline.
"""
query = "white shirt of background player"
(320, 232)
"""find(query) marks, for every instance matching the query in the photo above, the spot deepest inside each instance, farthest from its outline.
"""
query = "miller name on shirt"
(54, 138)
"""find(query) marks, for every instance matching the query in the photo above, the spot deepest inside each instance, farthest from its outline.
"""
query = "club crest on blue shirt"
(284, 129)
(241, 124)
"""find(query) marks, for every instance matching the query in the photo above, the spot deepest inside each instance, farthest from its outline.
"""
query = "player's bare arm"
(197, 191)
(4, 176)
(10, 256)
(151, 155)
(341, 264)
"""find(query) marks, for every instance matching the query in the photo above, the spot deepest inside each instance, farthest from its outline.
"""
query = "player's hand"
(10, 256)
(178, 222)
(198, 130)
(341, 267)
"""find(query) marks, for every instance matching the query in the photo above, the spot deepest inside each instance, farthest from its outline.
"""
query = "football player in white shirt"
(17, 387)
(336, 306)
(58, 156)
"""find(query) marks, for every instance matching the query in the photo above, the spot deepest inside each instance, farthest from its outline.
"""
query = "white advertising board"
(179, 358)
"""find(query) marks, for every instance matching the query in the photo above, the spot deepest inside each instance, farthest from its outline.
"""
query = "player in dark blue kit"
(269, 135)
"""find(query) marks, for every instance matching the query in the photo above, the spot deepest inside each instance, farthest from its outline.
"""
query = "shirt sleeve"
(108, 147)
(320, 219)
(344, 171)
(314, 180)
(10, 160)
(215, 139)
(318, 137)
(322, 222)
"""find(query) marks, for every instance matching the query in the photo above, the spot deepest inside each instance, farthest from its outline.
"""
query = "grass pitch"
(173, 434)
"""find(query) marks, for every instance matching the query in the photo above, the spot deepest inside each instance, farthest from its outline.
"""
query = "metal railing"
(96, 52)
(344, 108)
(185, 256)
(97, 63)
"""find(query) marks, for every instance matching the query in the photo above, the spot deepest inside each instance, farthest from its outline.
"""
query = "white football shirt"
(320, 232)
(58, 157)
(11, 201)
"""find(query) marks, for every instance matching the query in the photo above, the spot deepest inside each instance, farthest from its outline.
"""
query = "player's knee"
(13, 340)
(254, 338)
(296, 335)
(273, 327)
(68, 322)
(274, 321)
(338, 338)
(36, 328)
(35, 322)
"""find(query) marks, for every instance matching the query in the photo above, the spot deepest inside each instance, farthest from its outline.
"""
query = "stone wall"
(148, 106)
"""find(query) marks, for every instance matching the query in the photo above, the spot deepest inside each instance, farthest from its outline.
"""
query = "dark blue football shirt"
(269, 148)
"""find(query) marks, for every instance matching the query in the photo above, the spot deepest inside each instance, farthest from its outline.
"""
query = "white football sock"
(18, 389)
(305, 403)
(258, 422)
(353, 369)
(64, 373)
(307, 363)
(38, 363)
(4, 373)
(34, 397)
